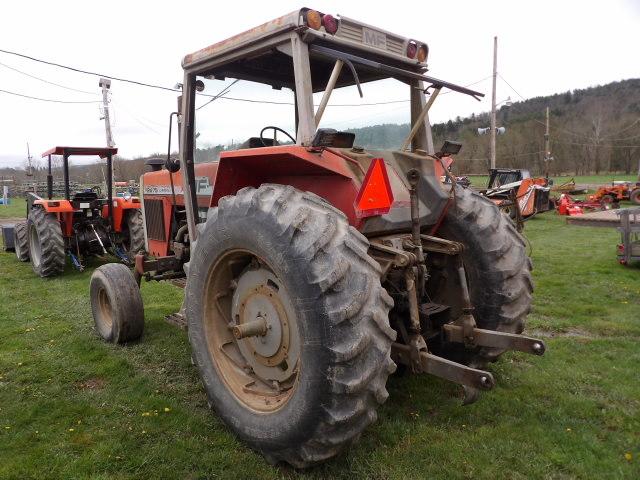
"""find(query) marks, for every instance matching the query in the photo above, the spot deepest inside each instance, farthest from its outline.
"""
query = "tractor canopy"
(309, 52)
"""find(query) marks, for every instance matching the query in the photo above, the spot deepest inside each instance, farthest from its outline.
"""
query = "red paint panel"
(55, 206)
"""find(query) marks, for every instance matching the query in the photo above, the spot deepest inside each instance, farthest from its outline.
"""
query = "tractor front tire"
(46, 244)
(635, 196)
(498, 273)
(305, 388)
(116, 304)
(21, 241)
(135, 234)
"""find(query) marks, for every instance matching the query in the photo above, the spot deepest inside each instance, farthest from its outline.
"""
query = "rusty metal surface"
(492, 338)
(447, 369)
(281, 24)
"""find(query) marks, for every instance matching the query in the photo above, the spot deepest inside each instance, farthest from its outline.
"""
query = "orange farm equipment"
(514, 190)
(616, 192)
(314, 268)
(81, 224)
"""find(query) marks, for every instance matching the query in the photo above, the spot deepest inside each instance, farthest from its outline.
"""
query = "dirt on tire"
(21, 241)
(135, 233)
(116, 303)
(46, 244)
(498, 272)
(342, 312)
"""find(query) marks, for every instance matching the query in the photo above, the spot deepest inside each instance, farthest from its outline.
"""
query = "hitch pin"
(98, 237)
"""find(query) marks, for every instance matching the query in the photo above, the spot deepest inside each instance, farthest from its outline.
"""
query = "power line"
(46, 81)
(509, 85)
(219, 94)
(502, 157)
(47, 99)
(598, 145)
(79, 70)
(160, 87)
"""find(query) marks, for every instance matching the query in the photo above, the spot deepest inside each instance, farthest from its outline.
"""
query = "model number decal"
(203, 187)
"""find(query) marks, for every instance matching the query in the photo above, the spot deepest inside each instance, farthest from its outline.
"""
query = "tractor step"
(492, 338)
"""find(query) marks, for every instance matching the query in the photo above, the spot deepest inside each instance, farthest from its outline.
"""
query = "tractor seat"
(255, 142)
(84, 196)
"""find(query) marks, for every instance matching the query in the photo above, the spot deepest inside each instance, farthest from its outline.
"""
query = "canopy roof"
(102, 152)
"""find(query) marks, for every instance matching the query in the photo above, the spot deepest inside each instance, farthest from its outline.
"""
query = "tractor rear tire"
(21, 241)
(498, 273)
(116, 304)
(135, 231)
(306, 254)
(46, 244)
(635, 196)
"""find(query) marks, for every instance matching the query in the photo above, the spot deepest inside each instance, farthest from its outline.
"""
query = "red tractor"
(80, 225)
(612, 195)
(314, 269)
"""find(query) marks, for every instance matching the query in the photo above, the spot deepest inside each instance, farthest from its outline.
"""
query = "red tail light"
(330, 24)
(412, 49)
(375, 196)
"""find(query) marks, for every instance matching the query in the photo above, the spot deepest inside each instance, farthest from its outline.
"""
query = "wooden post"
(492, 145)
(547, 147)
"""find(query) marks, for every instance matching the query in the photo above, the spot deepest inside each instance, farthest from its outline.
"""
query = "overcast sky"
(544, 47)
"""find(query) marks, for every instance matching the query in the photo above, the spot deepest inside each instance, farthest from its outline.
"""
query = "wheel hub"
(261, 313)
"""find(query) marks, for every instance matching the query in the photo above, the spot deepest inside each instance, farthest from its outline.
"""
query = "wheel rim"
(104, 307)
(251, 331)
(34, 246)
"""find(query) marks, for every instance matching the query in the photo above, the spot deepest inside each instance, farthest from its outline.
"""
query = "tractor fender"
(336, 175)
(318, 171)
(120, 206)
(55, 206)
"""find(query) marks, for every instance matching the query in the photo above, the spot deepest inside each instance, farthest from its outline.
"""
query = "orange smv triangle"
(375, 196)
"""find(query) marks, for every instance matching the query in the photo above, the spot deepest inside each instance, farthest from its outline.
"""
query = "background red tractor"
(613, 194)
(313, 269)
(81, 224)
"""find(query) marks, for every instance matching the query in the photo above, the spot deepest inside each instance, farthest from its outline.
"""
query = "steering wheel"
(275, 129)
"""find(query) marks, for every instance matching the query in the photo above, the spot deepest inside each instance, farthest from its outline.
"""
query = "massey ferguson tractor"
(79, 225)
(314, 268)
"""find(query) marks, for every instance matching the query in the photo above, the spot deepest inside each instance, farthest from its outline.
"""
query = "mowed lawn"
(72, 406)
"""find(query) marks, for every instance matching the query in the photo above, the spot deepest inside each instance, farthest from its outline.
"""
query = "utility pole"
(29, 164)
(492, 145)
(105, 84)
(547, 147)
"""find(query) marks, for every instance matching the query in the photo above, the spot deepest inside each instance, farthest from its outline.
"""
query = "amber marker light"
(314, 19)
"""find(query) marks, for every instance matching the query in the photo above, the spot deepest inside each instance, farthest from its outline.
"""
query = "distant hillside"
(592, 130)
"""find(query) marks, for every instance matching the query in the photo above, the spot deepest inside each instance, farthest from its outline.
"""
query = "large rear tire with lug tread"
(21, 241)
(116, 304)
(134, 243)
(46, 244)
(287, 266)
(498, 273)
(635, 196)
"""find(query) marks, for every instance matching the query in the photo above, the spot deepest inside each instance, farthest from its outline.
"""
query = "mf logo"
(373, 38)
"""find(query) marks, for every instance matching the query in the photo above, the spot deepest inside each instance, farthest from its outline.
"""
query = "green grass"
(72, 406)
(17, 208)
